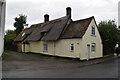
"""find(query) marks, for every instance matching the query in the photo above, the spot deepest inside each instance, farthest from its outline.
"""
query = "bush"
(9, 40)
(110, 36)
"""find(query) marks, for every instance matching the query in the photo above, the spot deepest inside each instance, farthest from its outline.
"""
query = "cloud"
(35, 9)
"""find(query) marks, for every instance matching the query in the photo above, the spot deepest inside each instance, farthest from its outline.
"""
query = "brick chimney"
(68, 11)
(46, 17)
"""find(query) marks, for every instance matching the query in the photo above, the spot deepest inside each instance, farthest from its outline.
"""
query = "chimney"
(68, 11)
(46, 17)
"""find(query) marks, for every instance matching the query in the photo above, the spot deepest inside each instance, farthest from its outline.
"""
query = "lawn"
(7, 55)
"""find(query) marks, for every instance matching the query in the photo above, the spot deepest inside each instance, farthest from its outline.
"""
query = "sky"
(36, 9)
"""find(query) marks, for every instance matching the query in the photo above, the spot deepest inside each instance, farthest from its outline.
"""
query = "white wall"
(2, 24)
(63, 48)
(89, 39)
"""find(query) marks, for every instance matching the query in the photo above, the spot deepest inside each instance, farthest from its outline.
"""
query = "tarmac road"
(107, 69)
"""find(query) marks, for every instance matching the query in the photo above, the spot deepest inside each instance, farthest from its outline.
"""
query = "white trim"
(45, 47)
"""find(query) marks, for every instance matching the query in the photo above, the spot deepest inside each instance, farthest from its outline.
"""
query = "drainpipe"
(54, 48)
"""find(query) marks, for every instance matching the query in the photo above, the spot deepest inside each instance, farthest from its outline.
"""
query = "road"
(107, 69)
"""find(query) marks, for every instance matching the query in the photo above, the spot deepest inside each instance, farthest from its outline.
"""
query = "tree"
(9, 40)
(19, 23)
(109, 34)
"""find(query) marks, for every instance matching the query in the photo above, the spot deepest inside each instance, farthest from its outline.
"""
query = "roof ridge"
(50, 21)
(84, 19)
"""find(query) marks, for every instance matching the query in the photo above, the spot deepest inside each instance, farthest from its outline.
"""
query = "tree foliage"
(109, 34)
(19, 23)
(9, 40)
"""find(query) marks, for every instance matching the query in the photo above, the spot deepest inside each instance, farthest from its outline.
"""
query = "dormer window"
(93, 30)
(43, 33)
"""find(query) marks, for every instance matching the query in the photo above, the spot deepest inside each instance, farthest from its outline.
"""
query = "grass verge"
(7, 56)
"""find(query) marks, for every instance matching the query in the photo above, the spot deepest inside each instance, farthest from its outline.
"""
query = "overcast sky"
(35, 10)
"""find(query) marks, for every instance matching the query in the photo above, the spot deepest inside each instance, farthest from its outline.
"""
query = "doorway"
(88, 51)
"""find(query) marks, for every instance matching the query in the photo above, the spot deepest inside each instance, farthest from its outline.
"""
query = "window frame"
(72, 47)
(45, 47)
(93, 30)
(93, 47)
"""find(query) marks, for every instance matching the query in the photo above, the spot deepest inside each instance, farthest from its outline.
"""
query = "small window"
(93, 47)
(72, 47)
(93, 30)
(45, 47)
(23, 34)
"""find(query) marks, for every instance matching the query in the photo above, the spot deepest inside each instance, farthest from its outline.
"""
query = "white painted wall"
(89, 39)
(2, 24)
(63, 48)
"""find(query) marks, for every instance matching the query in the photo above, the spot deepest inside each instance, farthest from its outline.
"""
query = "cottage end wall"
(88, 39)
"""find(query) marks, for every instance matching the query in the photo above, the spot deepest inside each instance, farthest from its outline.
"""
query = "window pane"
(93, 47)
(45, 47)
(93, 30)
(72, 47)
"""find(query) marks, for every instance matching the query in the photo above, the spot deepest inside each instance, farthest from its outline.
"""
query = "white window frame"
(72, 47)
(45, 47)
(93, 47)
(93, 30)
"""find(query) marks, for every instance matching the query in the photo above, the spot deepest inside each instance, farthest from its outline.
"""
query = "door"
(88, 51)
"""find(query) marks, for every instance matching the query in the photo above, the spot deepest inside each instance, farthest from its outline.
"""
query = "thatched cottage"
(62, 37)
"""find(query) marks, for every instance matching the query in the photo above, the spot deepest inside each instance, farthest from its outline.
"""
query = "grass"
(110, 55)
(7, 56)
(53, 57)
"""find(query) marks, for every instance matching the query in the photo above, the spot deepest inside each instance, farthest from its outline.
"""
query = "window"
(72, 47)
(93, 47)
(45, 47)
(93, 30)
(23, 34)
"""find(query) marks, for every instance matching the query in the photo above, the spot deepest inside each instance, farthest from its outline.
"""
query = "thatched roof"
(76, 29)
(62, 28)
(22, 35)
(50, 30)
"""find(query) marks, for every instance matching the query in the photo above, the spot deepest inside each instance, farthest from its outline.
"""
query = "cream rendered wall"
(89, 39)
(25, 48)
(58, 48)
(51, 48)
(63, 48)
(37, 47)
